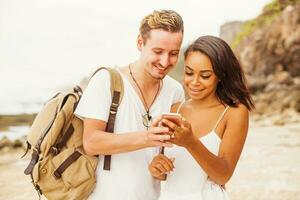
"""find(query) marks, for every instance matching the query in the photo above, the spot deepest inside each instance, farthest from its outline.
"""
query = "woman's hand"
(181, 135)
(160, 165)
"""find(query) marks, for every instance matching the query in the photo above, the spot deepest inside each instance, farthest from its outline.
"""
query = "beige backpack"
(59, 167)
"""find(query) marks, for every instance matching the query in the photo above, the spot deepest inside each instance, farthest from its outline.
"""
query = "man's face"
(160, 52)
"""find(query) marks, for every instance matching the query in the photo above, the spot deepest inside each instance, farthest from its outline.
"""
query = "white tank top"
(189, 181)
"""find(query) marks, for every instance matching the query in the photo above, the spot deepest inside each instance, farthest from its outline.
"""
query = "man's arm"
(96, 141)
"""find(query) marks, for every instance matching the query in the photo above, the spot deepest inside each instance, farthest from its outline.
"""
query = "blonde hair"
(167, 20)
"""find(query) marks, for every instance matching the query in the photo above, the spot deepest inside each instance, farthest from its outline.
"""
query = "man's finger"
(159, 130)
(154, 137)
(163, 144)
(156, 121)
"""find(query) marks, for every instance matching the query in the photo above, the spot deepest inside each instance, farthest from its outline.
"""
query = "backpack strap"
(117, 89)
(72, 158)
(117, 92)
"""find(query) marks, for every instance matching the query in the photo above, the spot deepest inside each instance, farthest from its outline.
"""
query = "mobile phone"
(173, 117)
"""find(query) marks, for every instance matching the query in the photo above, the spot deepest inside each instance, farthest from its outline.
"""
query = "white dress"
(189, 181)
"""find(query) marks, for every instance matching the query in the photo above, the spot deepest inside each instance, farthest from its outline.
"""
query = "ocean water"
(14, 132)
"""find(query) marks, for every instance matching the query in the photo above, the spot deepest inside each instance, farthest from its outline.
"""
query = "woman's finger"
(168, 163)
(154, 171)
(169, 123)
(161, 167)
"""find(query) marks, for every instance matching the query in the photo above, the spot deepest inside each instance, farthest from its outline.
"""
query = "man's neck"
(143, 77)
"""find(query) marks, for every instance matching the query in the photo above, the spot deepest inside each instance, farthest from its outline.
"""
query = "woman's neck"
(208, 102)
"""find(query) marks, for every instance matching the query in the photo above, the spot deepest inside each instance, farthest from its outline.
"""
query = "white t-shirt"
(128, 178)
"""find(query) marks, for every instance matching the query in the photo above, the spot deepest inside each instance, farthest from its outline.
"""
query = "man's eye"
(189, 73)
(157, 52)
(174, 54)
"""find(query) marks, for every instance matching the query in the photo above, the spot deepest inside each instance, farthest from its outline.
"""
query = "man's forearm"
(103, 143)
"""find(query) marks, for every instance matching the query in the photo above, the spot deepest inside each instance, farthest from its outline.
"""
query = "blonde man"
(148, 92)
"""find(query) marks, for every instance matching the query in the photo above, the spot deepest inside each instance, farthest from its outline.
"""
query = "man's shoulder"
(100, 74)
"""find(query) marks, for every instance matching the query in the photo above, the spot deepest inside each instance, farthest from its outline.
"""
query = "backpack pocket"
(75, 172)
(76, 181)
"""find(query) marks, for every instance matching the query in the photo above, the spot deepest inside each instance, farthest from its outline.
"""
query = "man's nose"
(164, 60)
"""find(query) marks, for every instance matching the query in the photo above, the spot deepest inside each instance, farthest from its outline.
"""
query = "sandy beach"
(268, 168)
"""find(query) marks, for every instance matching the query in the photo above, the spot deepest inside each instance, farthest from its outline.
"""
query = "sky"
(45, 45)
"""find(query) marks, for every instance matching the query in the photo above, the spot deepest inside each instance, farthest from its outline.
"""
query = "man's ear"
(140, 42)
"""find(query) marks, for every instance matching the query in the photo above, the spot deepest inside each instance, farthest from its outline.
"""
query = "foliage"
(15, 120)
(270, 12)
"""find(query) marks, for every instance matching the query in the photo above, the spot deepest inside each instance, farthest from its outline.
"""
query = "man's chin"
(159, 75)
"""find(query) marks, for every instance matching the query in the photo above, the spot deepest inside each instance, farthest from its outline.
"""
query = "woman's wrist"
(191, 141)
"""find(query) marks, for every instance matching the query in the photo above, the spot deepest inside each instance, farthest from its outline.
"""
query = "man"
(147, 93)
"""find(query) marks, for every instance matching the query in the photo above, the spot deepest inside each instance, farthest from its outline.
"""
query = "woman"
(210, 138)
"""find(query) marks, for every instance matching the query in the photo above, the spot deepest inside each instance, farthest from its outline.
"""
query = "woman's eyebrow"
(202, 71)
(207, 70)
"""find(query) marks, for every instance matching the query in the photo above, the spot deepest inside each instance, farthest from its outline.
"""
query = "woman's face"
(199, 80)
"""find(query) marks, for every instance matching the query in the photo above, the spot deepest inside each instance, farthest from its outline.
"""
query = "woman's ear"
(140, 42)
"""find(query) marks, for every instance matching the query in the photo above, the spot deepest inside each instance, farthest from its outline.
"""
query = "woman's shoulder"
(239, 108)
(238, 112)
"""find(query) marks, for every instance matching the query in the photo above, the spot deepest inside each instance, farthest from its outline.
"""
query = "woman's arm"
(219, 168)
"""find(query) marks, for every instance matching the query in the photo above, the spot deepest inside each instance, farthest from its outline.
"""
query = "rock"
(283, 77)
(5, 142)
(270, 57)
(17, 143)
(228, 31)
(272, 87)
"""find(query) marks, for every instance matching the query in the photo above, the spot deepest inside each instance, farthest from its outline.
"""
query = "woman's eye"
(205, 77)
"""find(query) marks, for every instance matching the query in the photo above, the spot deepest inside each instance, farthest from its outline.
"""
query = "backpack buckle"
(54, 151)
(113, 108)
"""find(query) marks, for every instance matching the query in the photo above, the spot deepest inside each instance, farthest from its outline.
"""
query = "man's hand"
(157, 137)
(157, 121)
(160, 165)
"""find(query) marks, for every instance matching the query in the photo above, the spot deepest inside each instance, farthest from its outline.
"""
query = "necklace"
(147, 117)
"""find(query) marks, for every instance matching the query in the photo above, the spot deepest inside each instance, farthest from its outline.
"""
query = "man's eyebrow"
(189, 68)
